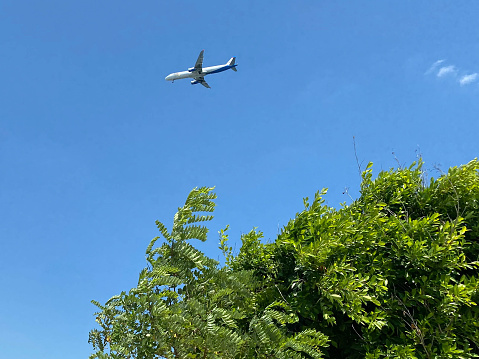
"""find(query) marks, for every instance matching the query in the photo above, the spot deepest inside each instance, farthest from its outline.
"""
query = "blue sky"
(95, 145)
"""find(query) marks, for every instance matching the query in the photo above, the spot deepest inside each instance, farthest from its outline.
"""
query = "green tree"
(394, 274)
(185, 306)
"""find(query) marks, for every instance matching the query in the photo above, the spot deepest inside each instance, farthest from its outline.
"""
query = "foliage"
(186, 307)
(394, 274)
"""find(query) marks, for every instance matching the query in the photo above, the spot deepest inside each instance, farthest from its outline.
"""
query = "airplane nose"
(169, 77)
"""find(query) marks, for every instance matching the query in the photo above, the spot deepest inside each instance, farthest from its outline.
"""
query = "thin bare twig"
(359, 335)
(346, 191)
(281, 294)
(397, 160)
(356, 155)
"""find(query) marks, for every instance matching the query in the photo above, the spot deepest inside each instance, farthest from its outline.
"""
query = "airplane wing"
(202, 81)
(199, 62)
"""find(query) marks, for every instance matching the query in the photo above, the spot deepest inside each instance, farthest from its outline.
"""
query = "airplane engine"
(191, 69)
(194, 82)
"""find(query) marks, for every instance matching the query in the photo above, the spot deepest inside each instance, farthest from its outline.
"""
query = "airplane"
(199, 72)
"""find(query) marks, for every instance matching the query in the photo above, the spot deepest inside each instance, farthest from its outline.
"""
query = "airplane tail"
(231, 62)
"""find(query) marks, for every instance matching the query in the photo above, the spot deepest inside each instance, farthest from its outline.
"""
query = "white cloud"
(440, 69)
(434, 66)
(467, 79)
(446, 70)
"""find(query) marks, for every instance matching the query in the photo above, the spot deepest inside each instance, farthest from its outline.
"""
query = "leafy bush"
(394, 274)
